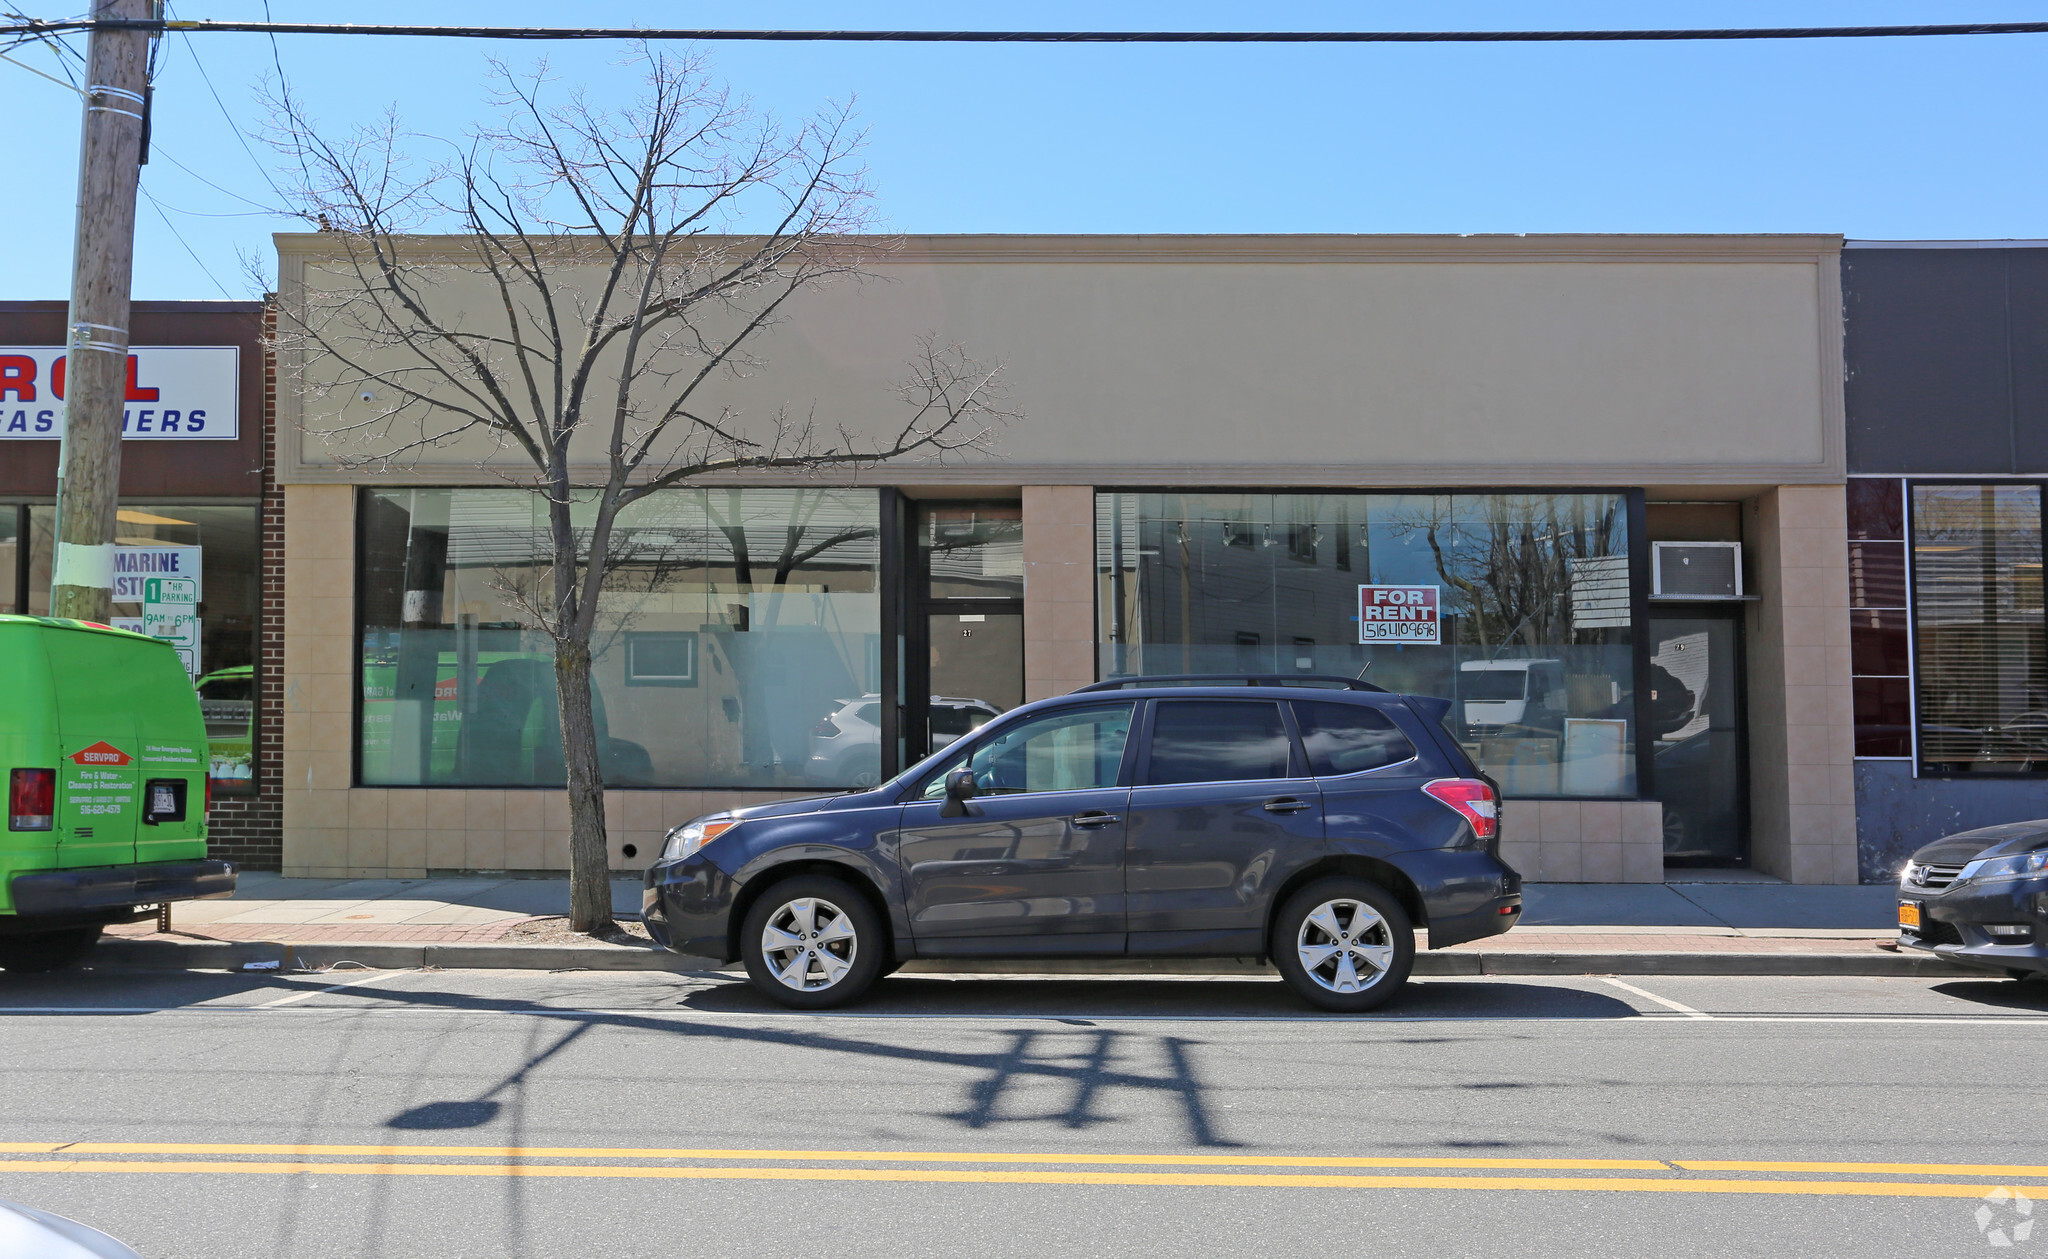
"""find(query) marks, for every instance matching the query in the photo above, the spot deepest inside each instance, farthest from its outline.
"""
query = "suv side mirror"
(959, 790)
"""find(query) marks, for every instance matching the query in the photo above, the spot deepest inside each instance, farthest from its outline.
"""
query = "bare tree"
(633, 257)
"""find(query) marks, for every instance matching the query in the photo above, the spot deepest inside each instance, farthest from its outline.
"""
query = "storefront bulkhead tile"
(484, 809)
(367, 807)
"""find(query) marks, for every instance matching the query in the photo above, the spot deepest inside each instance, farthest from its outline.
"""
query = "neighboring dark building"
(188, 487)
(1946, 349)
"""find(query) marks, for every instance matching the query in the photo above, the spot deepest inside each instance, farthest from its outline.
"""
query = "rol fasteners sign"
(175, 393)
(1408, 615)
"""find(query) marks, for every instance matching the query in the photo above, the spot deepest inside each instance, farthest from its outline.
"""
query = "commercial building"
(1947, 353)
(1592, 489)
(198, 503)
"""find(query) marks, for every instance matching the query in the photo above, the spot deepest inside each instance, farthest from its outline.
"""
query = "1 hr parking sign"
(1400, 614)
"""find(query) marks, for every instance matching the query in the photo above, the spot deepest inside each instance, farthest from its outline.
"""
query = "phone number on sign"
(1398, 631)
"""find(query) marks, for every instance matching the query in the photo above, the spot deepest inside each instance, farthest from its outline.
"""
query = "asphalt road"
(589, 1114)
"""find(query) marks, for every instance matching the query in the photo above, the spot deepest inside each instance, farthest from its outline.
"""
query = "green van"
(105, 753)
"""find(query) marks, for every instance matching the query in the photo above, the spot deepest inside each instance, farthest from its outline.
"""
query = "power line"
(193, 52)
(37, 27)
(158, 206)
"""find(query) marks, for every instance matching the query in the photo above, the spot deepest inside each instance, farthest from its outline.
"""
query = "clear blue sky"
(1889, 139)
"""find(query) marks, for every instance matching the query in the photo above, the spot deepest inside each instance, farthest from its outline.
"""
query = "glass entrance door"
(1696, 717)
(977, 671)
(970, 600)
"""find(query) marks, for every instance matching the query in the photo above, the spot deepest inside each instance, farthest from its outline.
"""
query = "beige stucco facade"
(1705, 367)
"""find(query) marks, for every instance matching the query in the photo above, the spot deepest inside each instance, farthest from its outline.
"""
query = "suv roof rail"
(1313, 680)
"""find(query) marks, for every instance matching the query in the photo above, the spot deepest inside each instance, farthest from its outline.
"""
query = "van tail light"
(31, 799)
(1470, 799)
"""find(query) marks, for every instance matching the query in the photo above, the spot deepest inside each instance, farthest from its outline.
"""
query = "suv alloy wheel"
(813, 942)
(1343, 943)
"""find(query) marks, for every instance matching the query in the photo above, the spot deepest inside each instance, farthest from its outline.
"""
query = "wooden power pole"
(96, 341)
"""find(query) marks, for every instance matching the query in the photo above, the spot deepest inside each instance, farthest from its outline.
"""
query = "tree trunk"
(590, 884)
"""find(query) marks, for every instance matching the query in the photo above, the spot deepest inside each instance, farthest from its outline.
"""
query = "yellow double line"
(1004, 1168)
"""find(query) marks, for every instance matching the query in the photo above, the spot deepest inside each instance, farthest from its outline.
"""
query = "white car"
(26, 1233)
(846, 747)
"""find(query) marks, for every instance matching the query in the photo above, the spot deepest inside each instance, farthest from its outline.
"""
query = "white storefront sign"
(175, 393)
(165, 580)
(1409, 615)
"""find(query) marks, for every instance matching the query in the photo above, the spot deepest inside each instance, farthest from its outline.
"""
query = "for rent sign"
(175, 392)
(1400, 614)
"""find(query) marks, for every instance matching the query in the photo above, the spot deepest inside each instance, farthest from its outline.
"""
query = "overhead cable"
(157, 26)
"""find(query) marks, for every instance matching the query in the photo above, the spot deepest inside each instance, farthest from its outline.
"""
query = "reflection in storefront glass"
(216, 548)
(972, 550)
(738, 641)
(1514, 606)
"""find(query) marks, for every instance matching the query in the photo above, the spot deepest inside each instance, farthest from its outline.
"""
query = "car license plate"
(1909, 916)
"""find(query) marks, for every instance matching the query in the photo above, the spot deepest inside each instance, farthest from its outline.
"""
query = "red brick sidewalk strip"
(325, 932)
(491, 933)
(1601, 942)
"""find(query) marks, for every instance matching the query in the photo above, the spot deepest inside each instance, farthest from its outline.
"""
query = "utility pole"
(110, 157)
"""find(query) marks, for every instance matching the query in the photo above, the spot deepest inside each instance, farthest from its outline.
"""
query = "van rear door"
(99, 768)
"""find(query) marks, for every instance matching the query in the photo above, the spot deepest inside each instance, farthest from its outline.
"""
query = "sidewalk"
(477, 910)
(1753, 925)
(1751, 915)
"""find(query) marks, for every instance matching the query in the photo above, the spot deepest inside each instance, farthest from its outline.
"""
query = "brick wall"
(249, 830)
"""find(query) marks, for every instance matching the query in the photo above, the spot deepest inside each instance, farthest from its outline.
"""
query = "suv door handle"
(1286, 804)
(1095, 817)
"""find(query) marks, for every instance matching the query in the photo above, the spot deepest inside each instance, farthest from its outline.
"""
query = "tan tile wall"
(1584, 841)
(1059, 589)
(334, 830)
(1801, 714)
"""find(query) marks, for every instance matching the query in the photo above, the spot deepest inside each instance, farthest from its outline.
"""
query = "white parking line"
(372, 977)
(1637, 1019)
(1666, 1002)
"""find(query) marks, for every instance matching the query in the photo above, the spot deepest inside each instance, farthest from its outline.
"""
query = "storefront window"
(972, 551)
(738, 641)
(1514, 606)
(214, 550)
(1983, 673)
(1877, 618)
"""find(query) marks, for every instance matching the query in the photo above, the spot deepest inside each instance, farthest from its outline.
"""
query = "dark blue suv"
(1315, 822)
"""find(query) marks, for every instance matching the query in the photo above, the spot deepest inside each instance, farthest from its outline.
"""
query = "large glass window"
(737, 645)
(971, 550)
(1514, 606)
(1877, 618)
(214, 546)
(1983, 673)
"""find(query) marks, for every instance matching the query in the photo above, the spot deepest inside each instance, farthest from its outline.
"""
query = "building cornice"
(1053, 250)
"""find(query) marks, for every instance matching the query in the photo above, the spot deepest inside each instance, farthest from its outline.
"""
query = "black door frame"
(907, 609)
(1735, 614)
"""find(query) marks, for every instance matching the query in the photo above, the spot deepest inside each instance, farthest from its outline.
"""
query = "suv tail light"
(31, 799)
(825, 729)
(1470, 799)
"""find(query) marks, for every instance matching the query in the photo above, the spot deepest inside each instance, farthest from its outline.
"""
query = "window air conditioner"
(1696, 570)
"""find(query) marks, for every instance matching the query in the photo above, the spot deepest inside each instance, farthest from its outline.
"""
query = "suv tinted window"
(1205, 741)
(1067, 750)
(1348, 738)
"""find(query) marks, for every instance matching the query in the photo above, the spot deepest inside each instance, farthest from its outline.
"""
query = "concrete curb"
(234, 955)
